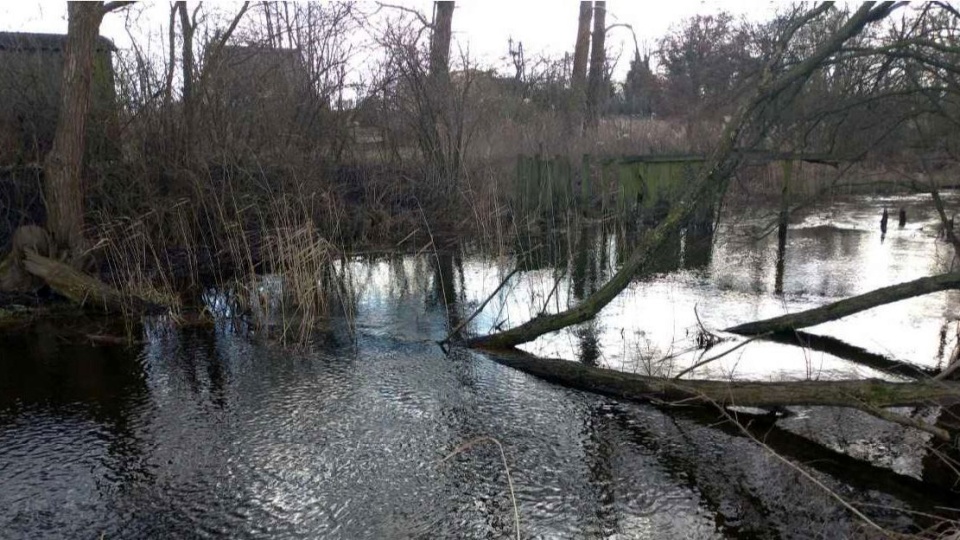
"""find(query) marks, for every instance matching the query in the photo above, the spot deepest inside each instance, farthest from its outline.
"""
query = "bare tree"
(704, 59)
(598, 60)
(581, 51)
(440, 39)
(63, 183)
(171, 54)
(187, 26)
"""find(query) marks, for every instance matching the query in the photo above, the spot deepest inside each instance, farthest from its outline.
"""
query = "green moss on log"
(847, 393)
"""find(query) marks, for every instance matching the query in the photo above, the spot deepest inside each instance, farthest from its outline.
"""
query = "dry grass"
(238, 243)
(506, 468)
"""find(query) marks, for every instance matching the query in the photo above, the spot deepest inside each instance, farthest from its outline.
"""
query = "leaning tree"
(774, 111)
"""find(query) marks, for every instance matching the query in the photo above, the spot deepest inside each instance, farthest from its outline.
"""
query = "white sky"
(544, 26)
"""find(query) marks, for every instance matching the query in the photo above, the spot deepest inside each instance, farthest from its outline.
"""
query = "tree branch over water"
(747, 129)
(850, 306)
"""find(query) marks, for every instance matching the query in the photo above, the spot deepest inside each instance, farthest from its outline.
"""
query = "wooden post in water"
(782, 228)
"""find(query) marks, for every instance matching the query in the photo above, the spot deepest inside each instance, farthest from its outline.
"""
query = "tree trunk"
(171, 56)
(188, 150)
(440, 39)
(63, 186)
(849, 306)
(578, 79)
(598, 60)
(860, 394)
(187, 28)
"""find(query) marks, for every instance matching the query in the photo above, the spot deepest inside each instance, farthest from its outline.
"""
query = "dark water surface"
(219, 433)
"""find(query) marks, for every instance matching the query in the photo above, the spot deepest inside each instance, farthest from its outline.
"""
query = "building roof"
(23, 41)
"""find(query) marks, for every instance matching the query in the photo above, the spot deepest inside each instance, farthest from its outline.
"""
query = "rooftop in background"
(22, 41)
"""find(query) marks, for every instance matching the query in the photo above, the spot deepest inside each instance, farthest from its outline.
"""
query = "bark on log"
(848, 393)
(83, 289)
(850, 306)
(13, 276)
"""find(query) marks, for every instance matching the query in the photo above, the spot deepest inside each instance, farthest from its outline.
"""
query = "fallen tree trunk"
(860, 394)
(849, 306)
(82, 289)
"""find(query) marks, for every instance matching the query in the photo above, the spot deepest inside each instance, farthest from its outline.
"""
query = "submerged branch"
(852, 353)
(803, 472)
(902, 420)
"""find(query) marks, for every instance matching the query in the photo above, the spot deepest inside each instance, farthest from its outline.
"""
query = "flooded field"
(217, 432)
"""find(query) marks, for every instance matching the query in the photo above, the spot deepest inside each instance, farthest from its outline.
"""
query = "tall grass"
(284, 270)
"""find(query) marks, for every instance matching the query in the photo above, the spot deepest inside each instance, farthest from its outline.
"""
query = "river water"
(220, 432)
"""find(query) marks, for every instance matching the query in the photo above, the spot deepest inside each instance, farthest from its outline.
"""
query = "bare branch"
(113, 6)
(718, 356)
(416, 13)
(462, 325)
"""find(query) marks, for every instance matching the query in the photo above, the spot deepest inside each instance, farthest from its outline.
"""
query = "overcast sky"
(544, 26)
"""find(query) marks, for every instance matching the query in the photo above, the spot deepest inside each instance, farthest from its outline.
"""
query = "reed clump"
(273, 257)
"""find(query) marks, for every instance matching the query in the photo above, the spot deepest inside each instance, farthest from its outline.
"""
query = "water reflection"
(213, 431)
(447, 267)
(736, 275)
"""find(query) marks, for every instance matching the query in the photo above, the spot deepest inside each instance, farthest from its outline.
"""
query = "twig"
(477, 311)
(407, 237)
(702, 327)
(506, 468)
(948, 461)
(546, 302)
(952, 366)
(423, 20)
(113, 6)
(718, 356)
